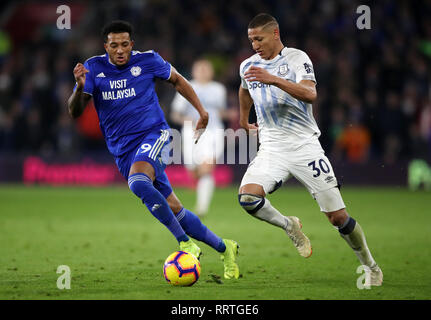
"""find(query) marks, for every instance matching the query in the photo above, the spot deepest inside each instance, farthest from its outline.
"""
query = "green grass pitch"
(115, 248)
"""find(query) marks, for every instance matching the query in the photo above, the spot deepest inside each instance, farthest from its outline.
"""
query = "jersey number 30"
(323, 167)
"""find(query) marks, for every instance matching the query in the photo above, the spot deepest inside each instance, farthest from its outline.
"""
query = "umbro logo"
(100, 75)
(329, 179)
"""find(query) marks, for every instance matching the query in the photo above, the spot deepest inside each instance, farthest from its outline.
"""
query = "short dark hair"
(117, 26)
(262, 19)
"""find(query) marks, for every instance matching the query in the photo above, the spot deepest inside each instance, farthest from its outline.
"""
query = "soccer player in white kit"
(200, 158)
(280, 81)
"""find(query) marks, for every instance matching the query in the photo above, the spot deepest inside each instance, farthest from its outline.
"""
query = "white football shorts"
(308, 165)
(208, 149)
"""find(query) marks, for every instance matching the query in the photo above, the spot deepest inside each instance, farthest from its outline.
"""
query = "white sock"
(204, 193)
(356, 240)
(271, 215)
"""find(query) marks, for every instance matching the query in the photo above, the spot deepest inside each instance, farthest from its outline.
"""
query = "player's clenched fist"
(79, 73)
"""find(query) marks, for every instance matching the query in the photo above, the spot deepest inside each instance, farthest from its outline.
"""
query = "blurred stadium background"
(374, 97)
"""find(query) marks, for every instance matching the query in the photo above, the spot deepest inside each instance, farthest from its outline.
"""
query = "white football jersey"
(213, 98)
(285, 123)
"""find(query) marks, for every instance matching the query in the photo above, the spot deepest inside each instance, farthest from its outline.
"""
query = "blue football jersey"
(125, 98)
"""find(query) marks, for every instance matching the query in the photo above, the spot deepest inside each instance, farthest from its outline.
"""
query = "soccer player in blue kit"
(121, 83)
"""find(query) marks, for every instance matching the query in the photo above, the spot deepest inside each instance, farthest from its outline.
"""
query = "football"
(181, 269)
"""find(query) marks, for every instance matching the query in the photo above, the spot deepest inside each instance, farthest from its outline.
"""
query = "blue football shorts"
(150, 150)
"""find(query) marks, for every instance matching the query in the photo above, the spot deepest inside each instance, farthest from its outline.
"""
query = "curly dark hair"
(117, 26)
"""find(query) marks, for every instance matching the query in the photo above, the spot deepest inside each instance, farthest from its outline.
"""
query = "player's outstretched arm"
(305, 90)
(186, 90)
(78, 100)
(245, 103)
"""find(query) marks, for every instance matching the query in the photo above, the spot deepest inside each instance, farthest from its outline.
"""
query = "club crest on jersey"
(135, 71)
(282, 70)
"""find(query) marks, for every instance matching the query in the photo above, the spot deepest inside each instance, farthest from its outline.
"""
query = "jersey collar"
(281, 53)
(117, 67)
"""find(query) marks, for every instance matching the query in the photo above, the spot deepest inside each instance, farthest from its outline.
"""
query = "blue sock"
(193, 226)
(142, 186)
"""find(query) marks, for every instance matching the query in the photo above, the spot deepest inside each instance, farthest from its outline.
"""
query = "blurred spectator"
(354, 140)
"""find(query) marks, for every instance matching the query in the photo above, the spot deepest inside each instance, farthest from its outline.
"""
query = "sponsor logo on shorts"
(329, 179)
